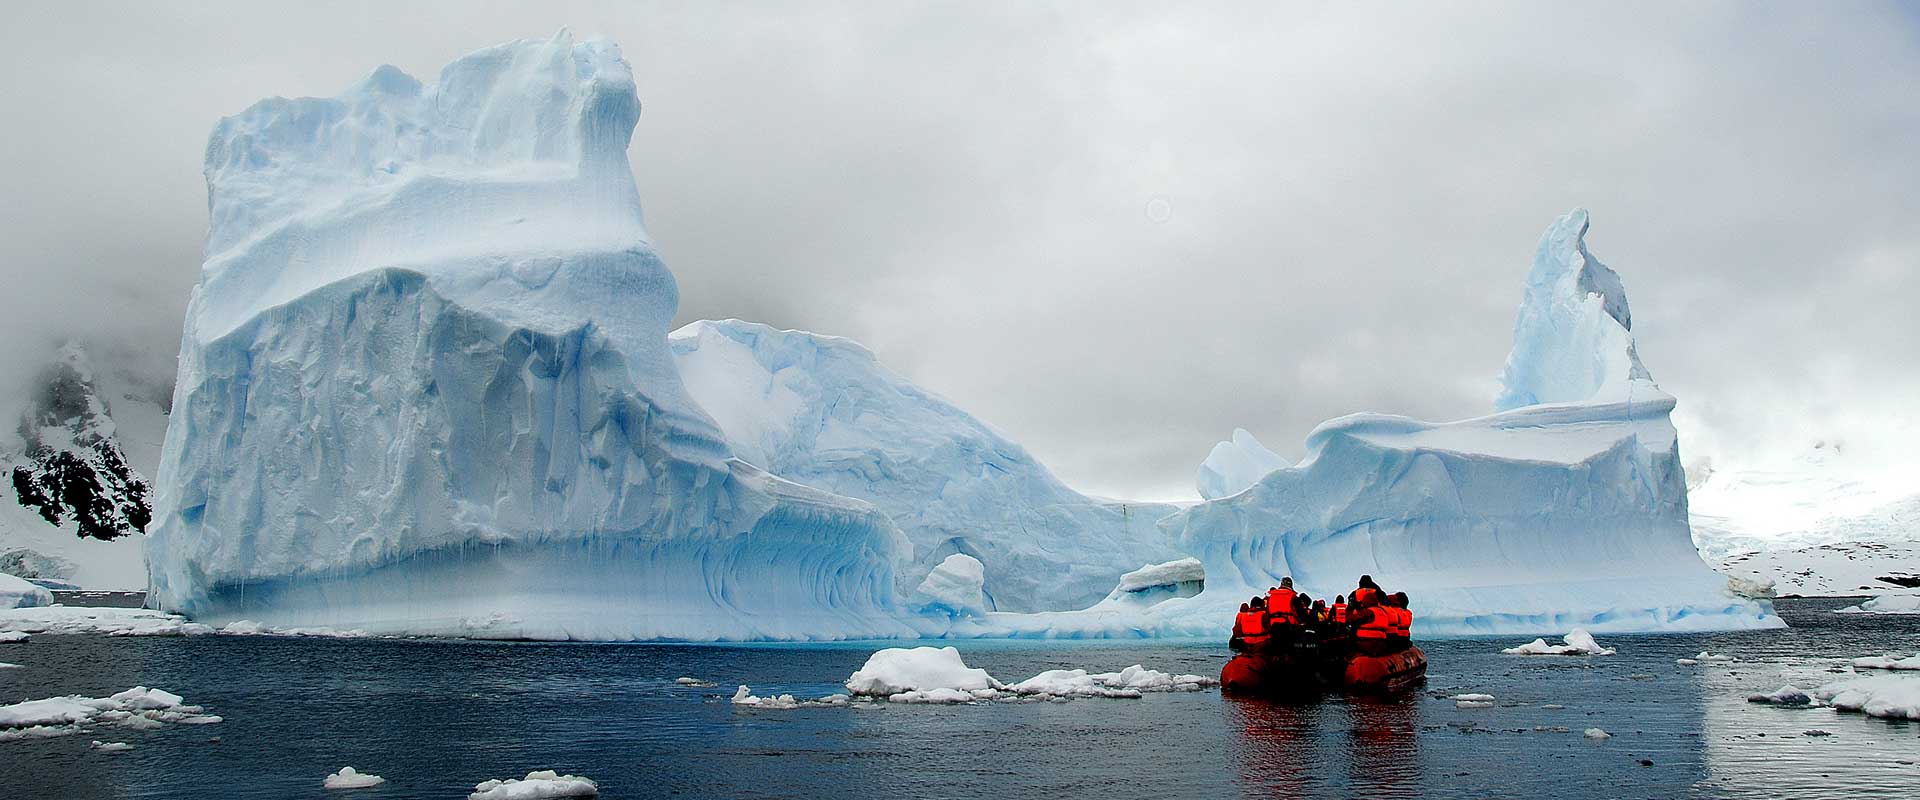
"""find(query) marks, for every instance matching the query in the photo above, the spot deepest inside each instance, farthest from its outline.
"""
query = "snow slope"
(822, 411)
(425, 387)
(1566, 509)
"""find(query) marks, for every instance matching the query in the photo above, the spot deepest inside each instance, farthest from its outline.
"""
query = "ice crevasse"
(425, 386)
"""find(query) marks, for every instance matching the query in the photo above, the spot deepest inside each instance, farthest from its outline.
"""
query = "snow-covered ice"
(62, 619)
(1888, 662)
(1886, 696)
(350, 778)
(1596, 733)
(538, 785)
(425, 371)
(823, 411)
(1886, 604)
(109, 747)
(1788, 695)
(1473, 700)
(896, 670)
(19, 593)
(138, 708)
(1578, 642)
(1711, 658)
(5, 665)
(697, 683)
(13, 637)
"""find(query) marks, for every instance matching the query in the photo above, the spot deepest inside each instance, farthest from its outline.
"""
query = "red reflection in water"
(1336, 747)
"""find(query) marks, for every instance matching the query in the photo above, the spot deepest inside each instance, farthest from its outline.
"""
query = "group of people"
(1378, 623)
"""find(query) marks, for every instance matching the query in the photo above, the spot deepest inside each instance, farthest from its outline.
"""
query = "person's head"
(1244, 608)
(1259, 602)
(1366, 580)
(1339, 598)
(1319, 604)
(1286, 582)
(1400, 599)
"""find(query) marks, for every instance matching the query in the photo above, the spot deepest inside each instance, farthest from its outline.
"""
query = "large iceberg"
(821, 410)
(1568, 508)
(425, 386)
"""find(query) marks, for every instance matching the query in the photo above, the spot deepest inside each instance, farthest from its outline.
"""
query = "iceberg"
(1235, 464)
(425, 386)
(823, 411)
(1567, 508)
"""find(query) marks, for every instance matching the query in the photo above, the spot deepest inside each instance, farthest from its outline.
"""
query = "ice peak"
(1573, 340)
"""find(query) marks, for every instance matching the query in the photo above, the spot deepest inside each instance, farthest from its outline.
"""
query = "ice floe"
(1596, 733)
(12, 637)
(1788, 695)
(16, 592)
(350, 778)
(538, 785)
(1887, 662)
(1886, 604)
(1473, 700)
(1578, 643)
(1885, 696)
(937, 675)
(138, 708)
(897, 670)
(109, 747)
(696, 683)
(744, 697)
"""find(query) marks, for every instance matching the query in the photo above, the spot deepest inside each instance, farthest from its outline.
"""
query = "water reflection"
(1327, 747)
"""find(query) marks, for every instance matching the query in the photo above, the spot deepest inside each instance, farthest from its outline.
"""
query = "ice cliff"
(425, 386)
(1567, 508)
(822, 411)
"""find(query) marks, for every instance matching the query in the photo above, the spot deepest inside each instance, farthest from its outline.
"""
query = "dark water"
(435, 717)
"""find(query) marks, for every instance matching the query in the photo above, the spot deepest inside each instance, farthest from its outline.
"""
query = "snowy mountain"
(1566, 508)
(425, 386)
(77, 496)
(822, 411)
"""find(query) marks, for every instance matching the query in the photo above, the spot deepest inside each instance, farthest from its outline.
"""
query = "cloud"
(1118, 231)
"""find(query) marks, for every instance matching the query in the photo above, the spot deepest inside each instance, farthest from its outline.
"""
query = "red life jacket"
(1402, 623)
(1340, 613)
(1365, 593)
(1280, 606)
(1253, 627)
(1377, 625)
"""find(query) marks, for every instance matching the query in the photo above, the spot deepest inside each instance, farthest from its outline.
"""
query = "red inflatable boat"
(1297, 670)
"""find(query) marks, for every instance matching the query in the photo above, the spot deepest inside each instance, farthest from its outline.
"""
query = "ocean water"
(435, 717)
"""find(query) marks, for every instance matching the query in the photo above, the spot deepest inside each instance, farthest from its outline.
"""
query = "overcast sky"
(1117, 232)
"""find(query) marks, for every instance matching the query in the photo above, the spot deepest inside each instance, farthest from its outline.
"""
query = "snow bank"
(425, 371)
(1578, 642)
(823, 411)
(349, 778)
(1567, 508)
(745, 697)
(1886, 604)
(1788, 695)
(537, 785)
(1885, 696)
(138, 708)
(954, 587)
(18, 593)
(938, 675)
(1888, 662)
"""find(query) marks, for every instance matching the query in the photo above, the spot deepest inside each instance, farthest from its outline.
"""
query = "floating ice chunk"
(1129, 682)
(1788, 695)
(1887, 662)
(349, 778)
(5, 665)
(1885, 696)
(1596, 733)
(1578, 643)
(1687, 662)
(939, 696)
(1886, 604)
(538, 785)
(744, 697)
(109, 747)
(954, 587)
(897, 670)
(694, 682)
(1711, 658)
(59, 619)
(12, 637)
(17, 592)
(1472, 700)
(139, 708)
